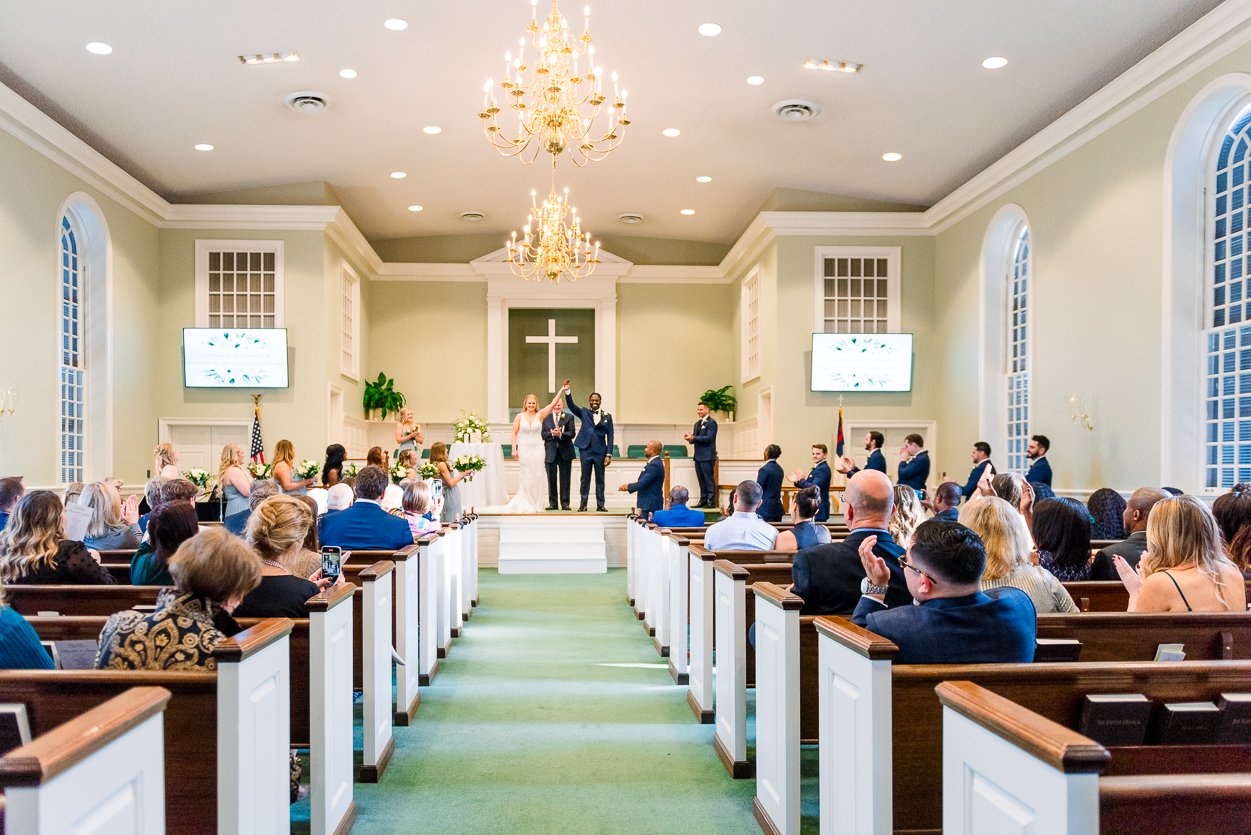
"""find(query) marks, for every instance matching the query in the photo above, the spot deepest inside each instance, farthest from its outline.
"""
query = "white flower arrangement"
(427, 471)
(200, 478)
(260, 469)
(398, 473)
(350, 470)
(468, 463)
(471, 424)
(307, 468)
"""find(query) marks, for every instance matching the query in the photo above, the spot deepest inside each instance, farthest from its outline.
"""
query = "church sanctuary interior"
(643, 417)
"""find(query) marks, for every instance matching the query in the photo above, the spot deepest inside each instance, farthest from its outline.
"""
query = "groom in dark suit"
(703, 436)
(558, 432)
(594, 443)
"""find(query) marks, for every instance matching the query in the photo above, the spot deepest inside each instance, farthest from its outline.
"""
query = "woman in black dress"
(33, 547)
(276, 532)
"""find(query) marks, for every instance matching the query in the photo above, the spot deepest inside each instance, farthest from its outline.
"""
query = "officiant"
(559, 430)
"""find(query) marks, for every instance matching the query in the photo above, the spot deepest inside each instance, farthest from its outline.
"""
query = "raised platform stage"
(553, 543)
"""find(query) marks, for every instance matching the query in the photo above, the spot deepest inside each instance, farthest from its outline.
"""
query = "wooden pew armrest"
(701, 552)
(1179, 787)
(253, 640)
(778, 596)
(856, 638)
(331, 597)
(731, 570)
(378, 569)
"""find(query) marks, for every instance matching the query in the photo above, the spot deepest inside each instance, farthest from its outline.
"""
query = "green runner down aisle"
(554, 714)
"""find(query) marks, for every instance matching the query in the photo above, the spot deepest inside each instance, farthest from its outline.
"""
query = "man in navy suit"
(981, 460)
(947, 502)
(1039, 469)
(873, 441)
(558, 432)
(770, 480)
(914, 464)
(594, 443)
(819, 476)
(955, 622)
(679, 515)
(651, 483)
(365, 525)
(11, 489)
(703, 436)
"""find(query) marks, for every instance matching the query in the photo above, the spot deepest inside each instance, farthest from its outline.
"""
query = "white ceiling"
(174, 80)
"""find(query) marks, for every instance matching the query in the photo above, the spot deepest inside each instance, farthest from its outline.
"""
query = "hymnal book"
(1235, 724)
(1170, 652)
(1116, 718)
(1057, 649)
(1185, 723)
(76, 655)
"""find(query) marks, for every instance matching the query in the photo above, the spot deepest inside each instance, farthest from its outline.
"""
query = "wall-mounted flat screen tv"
(861, 362)
(234, 358)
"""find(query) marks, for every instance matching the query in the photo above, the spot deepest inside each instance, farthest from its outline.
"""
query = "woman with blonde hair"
(450, 478)
(530, 453)
(906, 516)
(284, 470)
(166, 464)
(234, 480)
(276, 532)
(33, 547)
(1008, 546)
(408, 433)
(114, 523)
(1185, 568)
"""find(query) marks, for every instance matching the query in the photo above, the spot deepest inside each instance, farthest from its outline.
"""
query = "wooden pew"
(373, 614)
(100, 601)
(1124, 636)
(235, 717)
(1105, 595)
(1047, 777)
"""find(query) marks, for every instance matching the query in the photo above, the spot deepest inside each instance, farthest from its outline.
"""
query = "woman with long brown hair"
(284, 470)
(33, 547)
(450, 478)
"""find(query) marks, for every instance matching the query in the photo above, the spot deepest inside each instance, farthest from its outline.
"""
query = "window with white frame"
(1016, 349)
(750, 302)
(350, 326)
(239, 284)
(72, 355)
(857, 290)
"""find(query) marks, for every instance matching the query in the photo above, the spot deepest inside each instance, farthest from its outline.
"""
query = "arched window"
(1016, 349)
(73, 370)
(1003, 362)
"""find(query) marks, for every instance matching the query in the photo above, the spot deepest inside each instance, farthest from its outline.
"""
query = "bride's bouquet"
(200, 478)
(471, 424)
(398, 473)
(307, 468)
(427, 471)
(468, 463)
(259, 469)
(350, 470)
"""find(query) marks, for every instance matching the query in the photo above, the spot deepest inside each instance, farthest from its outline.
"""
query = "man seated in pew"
(365, 525)
(1185, 568)
(213, 571)
(33, 547)
(276, 534)
(744, 530)
(20, 648)
(651, 482)
(338, 497)
(805, 533)
(11, 489)
(947, 502)
(954, 621)
(829, 577)
(1008, 546)
(679, 515)
(1137, 511)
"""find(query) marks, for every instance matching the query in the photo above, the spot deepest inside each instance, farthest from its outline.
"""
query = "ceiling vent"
(306, 101)
(630, 217)
(473, 216)
(796, 110)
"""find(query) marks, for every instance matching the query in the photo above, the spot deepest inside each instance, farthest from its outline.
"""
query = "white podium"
(549, 544)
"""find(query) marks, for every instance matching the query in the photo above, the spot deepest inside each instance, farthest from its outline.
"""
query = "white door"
(200, 443)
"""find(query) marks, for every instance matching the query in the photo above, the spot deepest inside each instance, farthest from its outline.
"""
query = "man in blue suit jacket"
(820, 477)
(914, 464)
(594, 443)
(770, 480)
(679, 515)
(703, 437)
(955, 622)
(365, 525)
(981, 460)
(873, 441)
(651, 483)
(1039, 469)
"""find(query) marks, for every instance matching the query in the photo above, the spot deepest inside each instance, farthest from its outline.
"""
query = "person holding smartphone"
(276, 532)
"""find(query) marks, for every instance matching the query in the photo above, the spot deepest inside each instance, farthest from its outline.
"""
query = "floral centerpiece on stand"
(468, 463)
(471, 424)
(259, 469)
(200, 478)
(308, 468)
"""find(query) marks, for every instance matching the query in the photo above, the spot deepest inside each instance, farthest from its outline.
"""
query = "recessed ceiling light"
(398, 175)
(204, 146)
(97, 48)
(892, 157)
(995, 63)
(710, 30)
(671, 132)
(415, 208)
(347, 72)
(703, 178)
(432, 129)
(828, 65)
(755, 80)
(687, 212)
(395, 24)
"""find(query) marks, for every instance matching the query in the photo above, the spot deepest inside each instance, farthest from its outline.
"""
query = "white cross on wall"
(552, 340)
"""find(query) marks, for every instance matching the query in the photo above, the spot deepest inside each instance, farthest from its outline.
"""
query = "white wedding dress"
(531, 494)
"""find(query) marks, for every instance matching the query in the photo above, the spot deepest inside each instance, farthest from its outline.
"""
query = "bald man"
(1135, 517)
(830, 578)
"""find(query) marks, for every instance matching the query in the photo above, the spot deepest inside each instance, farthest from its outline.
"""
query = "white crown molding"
(657, 274)
(212, 216)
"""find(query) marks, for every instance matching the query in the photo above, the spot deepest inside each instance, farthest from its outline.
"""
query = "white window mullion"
(857, 290)
(239, 284)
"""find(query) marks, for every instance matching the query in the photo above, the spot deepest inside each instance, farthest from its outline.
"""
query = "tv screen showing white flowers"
(862, 362)
(234, 358)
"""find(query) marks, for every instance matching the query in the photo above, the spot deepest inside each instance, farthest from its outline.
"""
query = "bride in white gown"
(528, 449)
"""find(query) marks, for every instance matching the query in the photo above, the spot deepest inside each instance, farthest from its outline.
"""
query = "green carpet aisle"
(554, 714)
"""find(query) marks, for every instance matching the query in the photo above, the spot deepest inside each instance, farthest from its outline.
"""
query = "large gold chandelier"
(558, 98)
(552, 246)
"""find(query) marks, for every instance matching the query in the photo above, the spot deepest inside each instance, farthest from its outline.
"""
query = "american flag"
(258, 446)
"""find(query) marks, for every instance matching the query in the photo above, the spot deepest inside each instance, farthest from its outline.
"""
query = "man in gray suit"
(558, 432)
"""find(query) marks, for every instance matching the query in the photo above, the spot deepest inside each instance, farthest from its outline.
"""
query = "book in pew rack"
(1185, 723)
(1235, 725)
(1054, 650)
(1116, 718)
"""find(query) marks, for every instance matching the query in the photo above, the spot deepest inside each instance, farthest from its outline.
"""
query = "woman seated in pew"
(33, 547)
(114, 523)
(20, 648)
(276, 534)
(1233, 515)
(170, 526)
(806, 533)
(1008, 546)
(212, 572)
(1015, 490)
(907, 514)
(1184, 568)
(419, 510)
(1062, 534)
(308, 560)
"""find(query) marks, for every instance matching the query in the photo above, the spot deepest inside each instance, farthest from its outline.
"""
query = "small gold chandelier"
(551, 248)
(556, 103)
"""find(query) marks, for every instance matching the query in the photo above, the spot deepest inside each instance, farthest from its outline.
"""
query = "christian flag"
(258, 446)
(838, 442)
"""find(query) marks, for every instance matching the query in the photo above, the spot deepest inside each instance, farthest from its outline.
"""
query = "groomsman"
(877, 461)
(558, 432)
(594, 443)
(703, 436)
(1039, 468)
(914, 464)
(819, 476)
(651, 483)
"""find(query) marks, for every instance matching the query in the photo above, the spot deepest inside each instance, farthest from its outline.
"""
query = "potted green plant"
(381, 396)
(721, 400)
